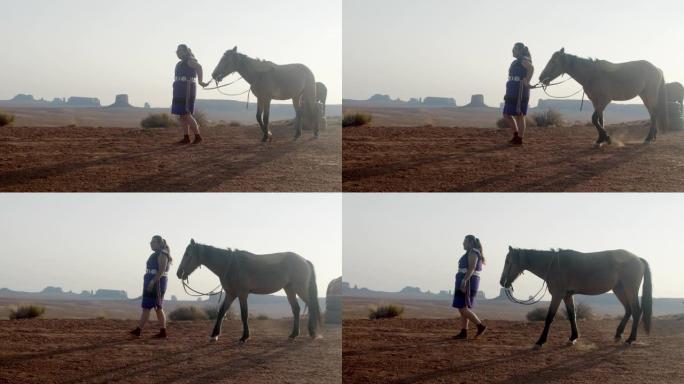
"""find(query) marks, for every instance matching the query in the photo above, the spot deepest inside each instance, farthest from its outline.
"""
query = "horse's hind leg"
(297, 104)
(303, 293)
(553, 307)
(259, 113)
(620, 294)
(632, 296)
(221, 314)
(244, 314)
(597, 120)
(292, 299)
(652, 111)
(570, 308)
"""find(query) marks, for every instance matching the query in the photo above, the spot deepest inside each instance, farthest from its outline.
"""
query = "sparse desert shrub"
(583, 311)
(548, 118)
(356, 119)
(189, 313)
(158, 120)
(501, 123)
(262, 317)
(385, 312)
(201, 118)
(6, 119)
(537, 314)
(234, 123)
(26, 311)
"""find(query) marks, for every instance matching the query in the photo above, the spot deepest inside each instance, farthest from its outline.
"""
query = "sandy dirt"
(147, 160)
(422, 351)
(100, 351)
(447, 159)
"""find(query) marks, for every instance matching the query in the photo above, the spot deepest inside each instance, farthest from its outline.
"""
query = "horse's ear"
(235, 48)
(510, 248)
(562, 50)
(192, 241)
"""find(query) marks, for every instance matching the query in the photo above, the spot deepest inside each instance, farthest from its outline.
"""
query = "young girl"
(184, 92)
(154, 286)
(518, 92)
(467, 283)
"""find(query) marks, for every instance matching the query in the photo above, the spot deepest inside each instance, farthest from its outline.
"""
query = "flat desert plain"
(409, 350)
(100, 351)
(444, 159)
(231, 158)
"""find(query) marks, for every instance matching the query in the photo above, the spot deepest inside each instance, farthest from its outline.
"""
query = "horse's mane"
(227, 251)
(551, 251)
(259, 64)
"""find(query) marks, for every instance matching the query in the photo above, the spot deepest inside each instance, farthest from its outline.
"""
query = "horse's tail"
(647, 297)
(314, 308)
(662, 114)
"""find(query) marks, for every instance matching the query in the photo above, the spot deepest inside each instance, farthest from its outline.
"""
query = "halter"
(196, 293)
(536, 297)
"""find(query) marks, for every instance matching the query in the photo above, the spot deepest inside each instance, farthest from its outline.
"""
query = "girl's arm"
(530, 71)
(196, 65)
(472, 263)
(161, 262)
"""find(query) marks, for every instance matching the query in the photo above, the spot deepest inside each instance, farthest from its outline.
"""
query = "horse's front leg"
(570, 308)
(221, 314)
(244, 314)
(553, 307)
(597, 120)
(267, 112)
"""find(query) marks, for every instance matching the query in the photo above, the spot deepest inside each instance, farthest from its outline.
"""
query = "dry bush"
(234, 124)
(262, 317)
(189, 313)
(26, 311)
(385, 312)
(212, 313)
(583, 311)
(356, 119)
(6, 119)
(158, 120)
(201, 118)
(548, 118)
(501, 123)
(537, 314)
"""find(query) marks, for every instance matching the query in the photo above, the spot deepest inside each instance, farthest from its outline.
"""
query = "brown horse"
(242, 273)
(270, 81)
(604, 82)
(568, 272)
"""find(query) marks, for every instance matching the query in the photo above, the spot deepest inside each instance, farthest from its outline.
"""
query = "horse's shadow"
(62, 351)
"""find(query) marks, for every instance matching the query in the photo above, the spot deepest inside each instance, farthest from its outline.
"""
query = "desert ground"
(443, 159)
(90, 159)
(100, 351)
(407, 350)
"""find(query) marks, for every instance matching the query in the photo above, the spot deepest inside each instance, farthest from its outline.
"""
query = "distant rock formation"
(121, 101)
(147, 105)
(76, 101)
(378, 98)
(432, 101)
(110, 294)
(22, 98)
(477, 101)
(52, 290)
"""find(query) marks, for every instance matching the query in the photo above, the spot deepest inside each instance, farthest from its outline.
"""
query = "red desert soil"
(422, 351)
(146, 160)
(470, 159)
(100, 351)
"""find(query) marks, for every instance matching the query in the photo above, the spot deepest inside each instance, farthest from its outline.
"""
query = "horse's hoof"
(213, 339)
(617, 339)
(570, 343)
(536, 347)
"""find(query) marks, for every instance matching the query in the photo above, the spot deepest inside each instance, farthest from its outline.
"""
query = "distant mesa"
(121, 101)
(110, 294)
(477, 101)
(378, 98)
(84, 102)
(147, 105)
(22, 98)
(432, 101)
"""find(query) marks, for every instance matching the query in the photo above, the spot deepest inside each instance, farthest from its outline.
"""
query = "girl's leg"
(511, 123)
(185, 124)
(464, 318)
(144, 318)
(192, 124)
(522, 124)
(161, 317)
(469, 315)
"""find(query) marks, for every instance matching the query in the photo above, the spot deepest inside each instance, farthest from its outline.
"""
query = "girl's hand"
(150, 286)
(204, 85)
(463, 287)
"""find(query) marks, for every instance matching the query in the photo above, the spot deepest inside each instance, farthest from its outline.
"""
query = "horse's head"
(512, 268)
(227, 65)
(191, 260)
(554, 68)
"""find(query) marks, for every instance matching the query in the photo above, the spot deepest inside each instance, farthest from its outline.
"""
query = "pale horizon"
(101, 241)
(100, 49)
(457, 49)
(396, 240)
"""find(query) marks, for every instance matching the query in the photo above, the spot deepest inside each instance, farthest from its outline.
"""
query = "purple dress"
(517, 95)
(155, 297)
(184, 89)
(462, 300)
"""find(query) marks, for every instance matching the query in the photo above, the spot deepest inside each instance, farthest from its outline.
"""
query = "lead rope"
(535, 298)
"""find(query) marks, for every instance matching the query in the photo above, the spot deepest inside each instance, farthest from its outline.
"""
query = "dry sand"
(147, 160)
(443, 159)
(100, 351)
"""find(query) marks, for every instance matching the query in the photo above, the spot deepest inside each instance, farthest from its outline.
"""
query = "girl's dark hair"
(190, 56)
(475, 244)
(164, 247)
(525, 50)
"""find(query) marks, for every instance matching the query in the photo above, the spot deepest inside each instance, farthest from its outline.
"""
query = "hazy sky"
(101, 48)
(397, 240)
(409, 48)
(95, 240)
